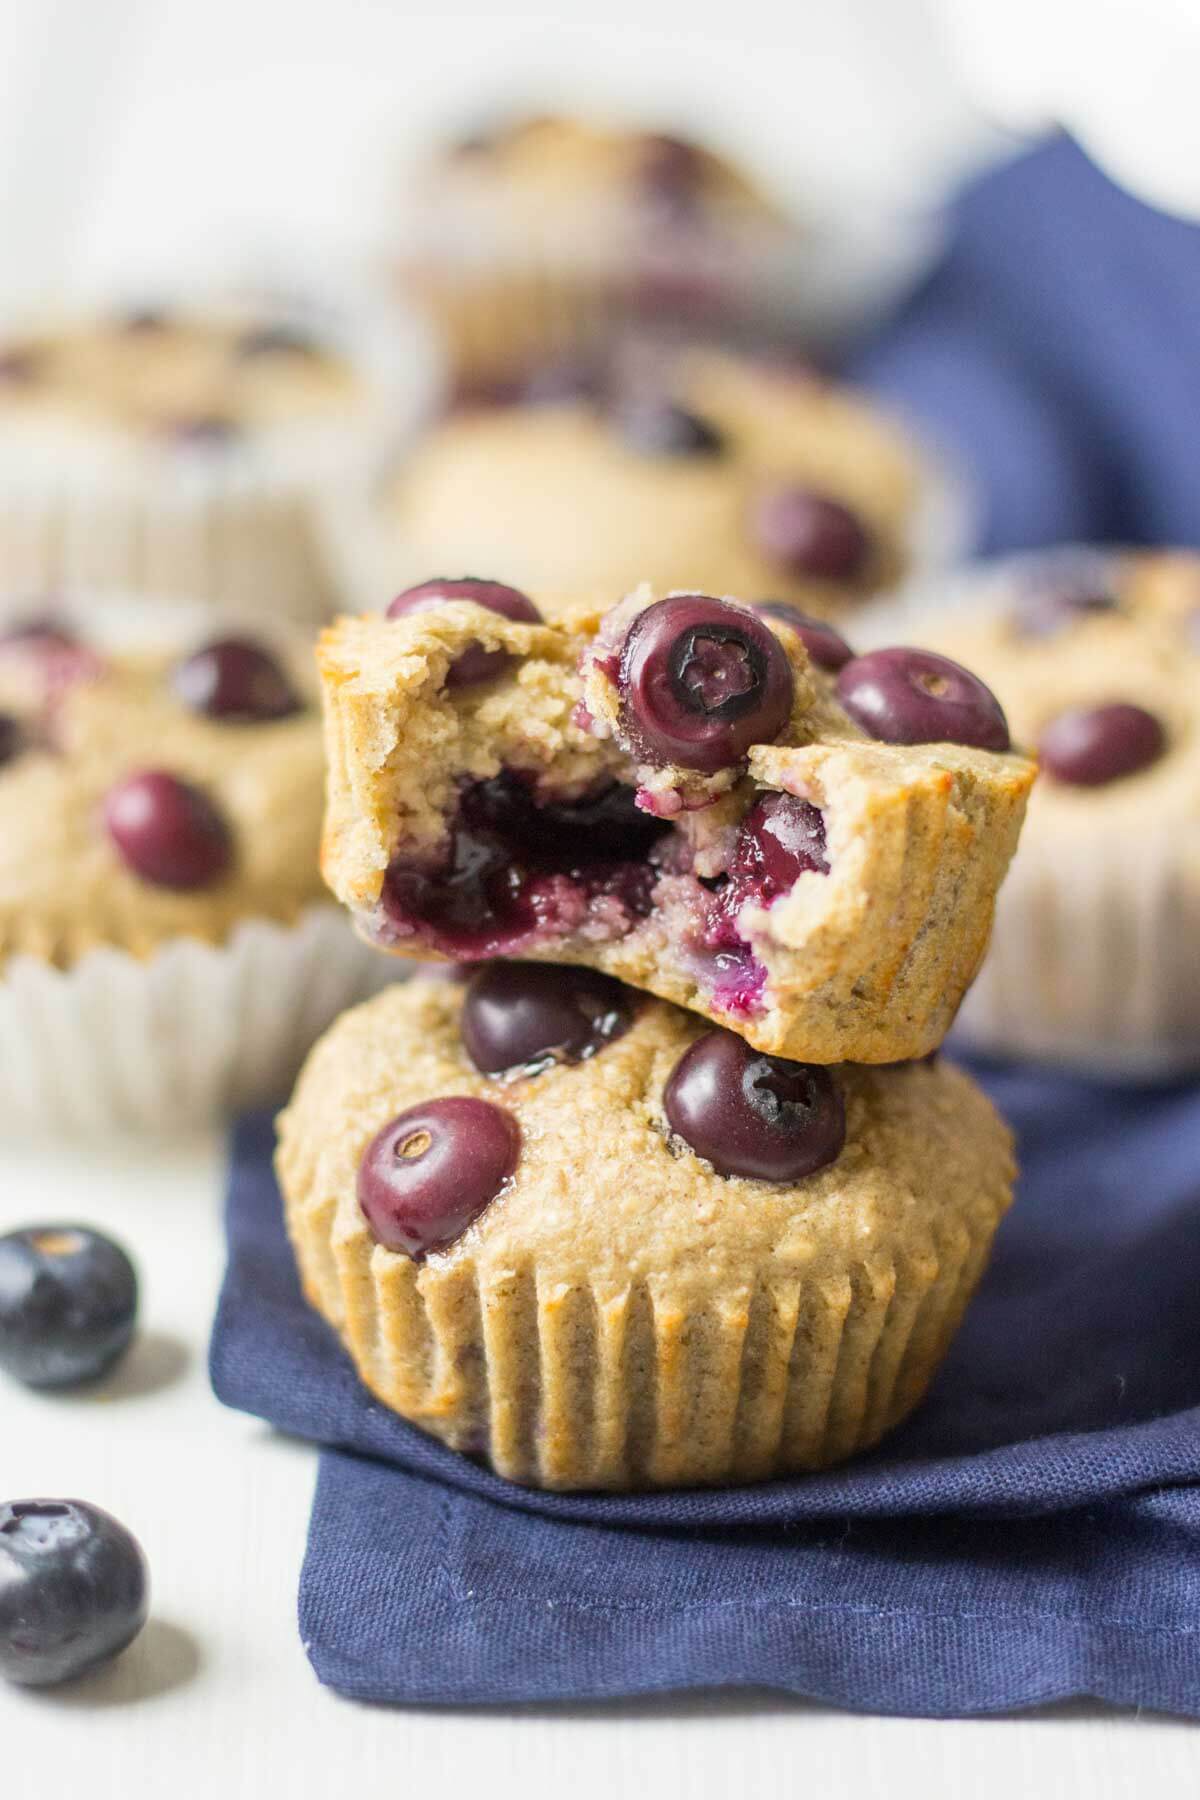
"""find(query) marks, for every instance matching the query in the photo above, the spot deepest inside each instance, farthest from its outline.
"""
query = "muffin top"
(1096, 659)
(550, 1117)
(144, 795)
(528, 167)
(713, 471)
(185, 381)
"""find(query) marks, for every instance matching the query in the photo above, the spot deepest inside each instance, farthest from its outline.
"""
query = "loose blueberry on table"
(236, 680)
(167, 831)
(1091, 746)
(528, 1016)
(430, 1172)
(73, 1590)
(903, 696)
(754, 1115)
(475, 664)
(699, 681)
(68, 1305)
(810, 534)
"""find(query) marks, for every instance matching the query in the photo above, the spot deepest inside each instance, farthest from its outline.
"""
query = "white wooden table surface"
(217, 1699)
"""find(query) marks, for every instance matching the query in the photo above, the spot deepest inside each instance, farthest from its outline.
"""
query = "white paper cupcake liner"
(236, 527)
(1093, 961)
(115, 1043)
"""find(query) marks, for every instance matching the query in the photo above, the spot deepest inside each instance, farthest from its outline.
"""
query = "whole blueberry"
(235, 679)
(917, 697)
(529, 1015)
(810, 534)
(73, 1590)
(700, 680)
(1091, 746)
(827, 647)
(433, 1169)
(12, 738)
(68, 1304)
(655, 426)
(168, 831)
(749, 1114)
(475, 664)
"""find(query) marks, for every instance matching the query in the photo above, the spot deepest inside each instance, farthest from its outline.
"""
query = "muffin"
(1096, 657)
(718, 804)
(733, 475)
(178, 453)
(572, 1231)
(165, 947)
(546, 236)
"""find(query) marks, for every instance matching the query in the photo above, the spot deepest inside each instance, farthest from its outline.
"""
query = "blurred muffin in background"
(1095, 656)
(178, 452)
(167, 948)
(730, 474)
(543, 237)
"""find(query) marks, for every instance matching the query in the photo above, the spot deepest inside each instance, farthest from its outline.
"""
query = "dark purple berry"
(12, 738)
(237, 680)
(1089, 746)
(432, 1170)
(475, 664)
(68, 1304)
(168, 831)
(73, 1590)
(655, 426)
(811, 534)
(700, 681)
(529, 1015)
(780, 839)
(749, 1114)
(917, 697)
(827, 647)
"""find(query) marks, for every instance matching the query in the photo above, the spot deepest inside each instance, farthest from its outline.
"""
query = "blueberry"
(275, 340)
(433, 1169)
(811, 534)
(700, 681)
(530, 1015)
(827, 647)
(755, 1115)
(781, 838)
(475, 664)
(1090, 746)
(73, 1590)
(68, 1303)
(168, 831)
(12, 738)
(917, 697)
(18, 366)
(655, 426)
(235, 679)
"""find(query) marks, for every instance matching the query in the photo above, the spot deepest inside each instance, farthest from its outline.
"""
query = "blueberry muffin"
(179, 453)
(716, 803)
(546, 236)
(576, 1232)
(165, 946)
(705, 470)
(1096, 657)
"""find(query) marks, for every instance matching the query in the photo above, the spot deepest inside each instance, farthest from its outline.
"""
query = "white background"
(140, 137)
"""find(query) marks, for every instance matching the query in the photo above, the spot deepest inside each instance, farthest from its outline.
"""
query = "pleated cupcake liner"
(117, 1042)
(235, 526)
(572, 1386)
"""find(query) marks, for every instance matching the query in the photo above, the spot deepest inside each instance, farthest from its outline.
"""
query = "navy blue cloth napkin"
(1055, 349)
(1033, 1533)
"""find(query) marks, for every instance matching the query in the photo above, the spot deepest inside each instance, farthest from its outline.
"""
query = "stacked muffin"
(674, 1189)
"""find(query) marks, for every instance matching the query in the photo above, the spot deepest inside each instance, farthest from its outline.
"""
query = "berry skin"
(430, 1172)
(237, 680)
(700, 680)
(811, 535)
(754, 1115)
(827, 647)
(1091, 746)
(917, 697)
(68, 1305)
(529, 1015)
(475, 664)
(654, 426)
(168, 831)
(73, 1590)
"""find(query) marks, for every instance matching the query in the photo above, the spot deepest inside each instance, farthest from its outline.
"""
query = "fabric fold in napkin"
(1033, 1533)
